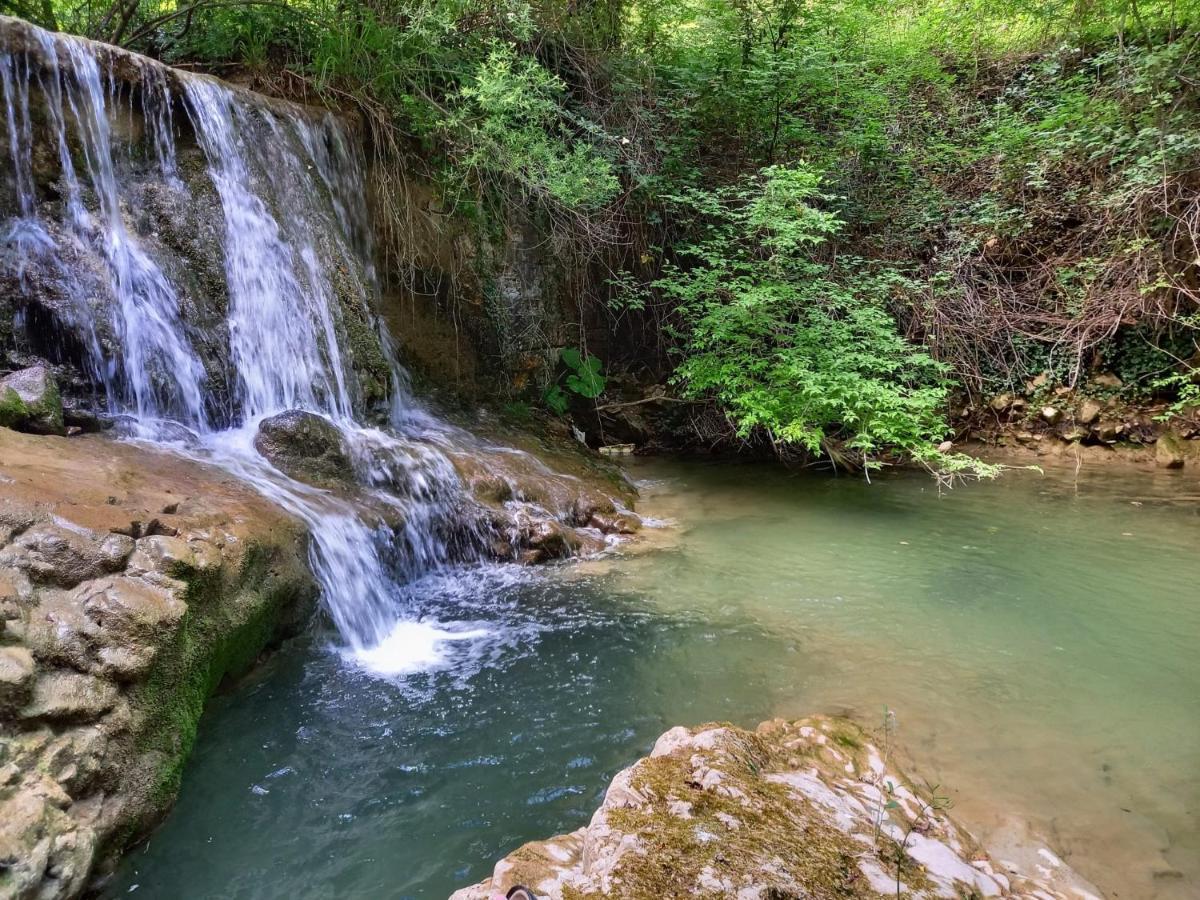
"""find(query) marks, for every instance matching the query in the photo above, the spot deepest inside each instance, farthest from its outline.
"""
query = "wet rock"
(16, 678)
(75, 759)
(165, 554)
(796, 809)
(1169, 451)
(96, 699)
(305, 446)
(29, 401)
(547, 539)
(616, 523)
(40, 846)
(57, 555)
(85, 420)
(1088, 412)
(67, 696)
(590, 504)
(488, 488)
(1108, 431)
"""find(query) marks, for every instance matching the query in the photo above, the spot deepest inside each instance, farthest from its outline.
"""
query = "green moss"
(774, 827)
(13, 410)
(46, 414)
(229, 622)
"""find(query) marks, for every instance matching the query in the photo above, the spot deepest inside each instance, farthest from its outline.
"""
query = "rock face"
(29, 401)
(806, 809)
(131, 584)
(306, 446)
(1169, 451)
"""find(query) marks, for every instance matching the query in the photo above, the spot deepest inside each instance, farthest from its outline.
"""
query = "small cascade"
(283, 337)
(157, 374)
(298, 286)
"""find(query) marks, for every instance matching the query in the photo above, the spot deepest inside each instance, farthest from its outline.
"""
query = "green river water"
(1038, 639)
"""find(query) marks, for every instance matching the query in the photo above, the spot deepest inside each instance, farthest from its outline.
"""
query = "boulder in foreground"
(806, 809)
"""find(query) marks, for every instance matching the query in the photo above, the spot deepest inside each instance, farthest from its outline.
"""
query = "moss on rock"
(796, 809)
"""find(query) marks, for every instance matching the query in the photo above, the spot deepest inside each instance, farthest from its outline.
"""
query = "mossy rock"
(30, 401)
(305, 446)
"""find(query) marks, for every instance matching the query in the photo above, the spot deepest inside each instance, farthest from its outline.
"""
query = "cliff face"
(134, 197)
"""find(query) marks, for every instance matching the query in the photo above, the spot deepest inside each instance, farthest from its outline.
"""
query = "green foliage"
(803, 351)
(556, 399)
(584, 379)
(825, 213)
(510, 119)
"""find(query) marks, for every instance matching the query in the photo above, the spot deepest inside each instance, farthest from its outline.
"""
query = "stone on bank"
(805, 809)
(30, 401)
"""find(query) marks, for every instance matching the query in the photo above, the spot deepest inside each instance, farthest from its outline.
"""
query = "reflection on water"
(1036, 638)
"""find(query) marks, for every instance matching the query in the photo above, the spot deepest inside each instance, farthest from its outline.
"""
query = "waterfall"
(295, 241)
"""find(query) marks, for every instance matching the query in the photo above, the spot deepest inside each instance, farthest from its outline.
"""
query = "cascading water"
(290, 192)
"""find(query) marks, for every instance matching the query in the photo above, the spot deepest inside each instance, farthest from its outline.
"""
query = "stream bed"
(1036, 639)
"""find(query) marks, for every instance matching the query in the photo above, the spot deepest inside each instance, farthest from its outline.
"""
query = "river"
(1034, 637)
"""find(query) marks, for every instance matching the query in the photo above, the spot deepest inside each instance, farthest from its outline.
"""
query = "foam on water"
(416, 646)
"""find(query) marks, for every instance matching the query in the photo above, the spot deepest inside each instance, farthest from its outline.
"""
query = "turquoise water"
(1037, 639)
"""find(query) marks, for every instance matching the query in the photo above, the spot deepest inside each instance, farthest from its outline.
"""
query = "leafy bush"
(584, 379)
(510, 120)
(800, 350)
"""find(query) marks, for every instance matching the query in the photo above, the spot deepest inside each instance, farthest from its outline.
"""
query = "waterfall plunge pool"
(1036, 638)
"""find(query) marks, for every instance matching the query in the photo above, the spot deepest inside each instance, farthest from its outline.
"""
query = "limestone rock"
(1109, 431)
(29, 401)
(796, 809)
(63, 556)
(306, 446)
(40, 844)
(548, 539)
(165, 554)
(1051, 415)
(1001, 403)
(1169, 451)
(16, 678)
(616, 522)
(96, 706)
(70, 696)
(1073, 433)
(1088, 412)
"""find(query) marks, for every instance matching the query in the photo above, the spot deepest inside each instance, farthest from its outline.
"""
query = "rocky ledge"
(134, 581)
(512, 507)
(806, 809)
(131, 584)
